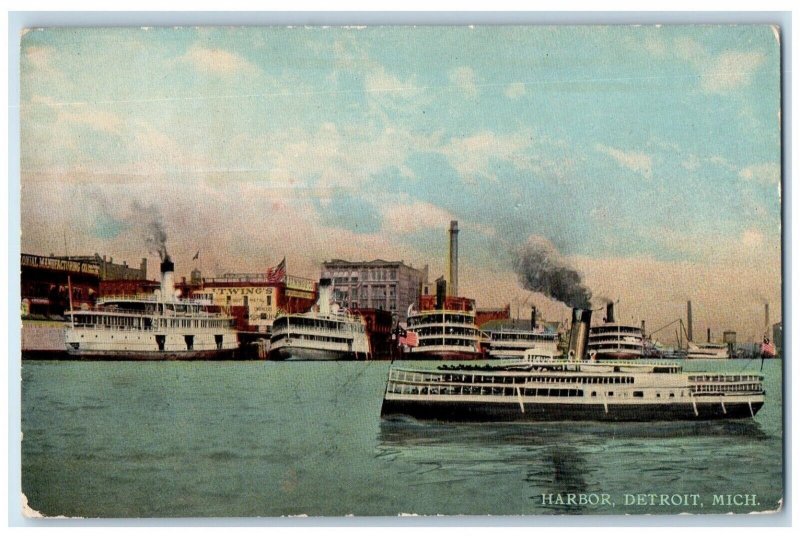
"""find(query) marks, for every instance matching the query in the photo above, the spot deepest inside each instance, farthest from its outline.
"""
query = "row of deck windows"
(508, 380)
(310, 338)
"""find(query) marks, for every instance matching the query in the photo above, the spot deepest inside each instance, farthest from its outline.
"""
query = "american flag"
(275, 275)
(410, 339)
(767, 348)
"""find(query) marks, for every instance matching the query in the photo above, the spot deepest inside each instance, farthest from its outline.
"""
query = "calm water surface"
(122, 439)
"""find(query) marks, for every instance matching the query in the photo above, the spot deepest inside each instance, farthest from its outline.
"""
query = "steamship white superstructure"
(325, 334)
(706, 350)
(545, 387)
(160, 326)
(445, 335)
(615, 340)
(513, 343)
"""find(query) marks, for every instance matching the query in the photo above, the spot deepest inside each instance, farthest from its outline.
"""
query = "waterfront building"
(378, 284)
(256, 299)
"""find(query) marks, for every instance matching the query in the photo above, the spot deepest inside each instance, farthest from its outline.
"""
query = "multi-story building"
(376, 284)
(254, 299)
(108, 270)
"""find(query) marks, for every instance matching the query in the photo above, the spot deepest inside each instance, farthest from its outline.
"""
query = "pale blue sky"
(649, 147)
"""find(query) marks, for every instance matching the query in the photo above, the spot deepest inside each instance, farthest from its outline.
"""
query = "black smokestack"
(609, 312)
(541, 268)
(533, 318)
(167, 265)
(441, 293)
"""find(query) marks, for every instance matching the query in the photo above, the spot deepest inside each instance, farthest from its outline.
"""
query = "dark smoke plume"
(541, 268)
(154, 235)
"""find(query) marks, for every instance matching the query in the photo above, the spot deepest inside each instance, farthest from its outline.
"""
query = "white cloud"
(515, 90)
(638, 162)
(413, 216)
(767, 173)
(217, 61)
(730, 70)
(464, 78)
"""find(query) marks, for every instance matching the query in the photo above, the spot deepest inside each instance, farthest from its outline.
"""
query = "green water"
(119, 439)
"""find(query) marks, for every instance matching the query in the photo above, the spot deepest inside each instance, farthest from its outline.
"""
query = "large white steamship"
(160, 326)
(546, 387)
(615, 340)
(325, 334)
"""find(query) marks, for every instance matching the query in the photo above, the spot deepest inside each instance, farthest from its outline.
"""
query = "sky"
(647, 156)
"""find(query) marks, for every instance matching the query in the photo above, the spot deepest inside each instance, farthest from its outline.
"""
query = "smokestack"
(324, 301)
(708, 336)
(766, 316)
(533, 318)
(643, 333)
(452, 263)
(167, 279)
(441, 292)
(689, 321)
(579, 334)
(609, 312)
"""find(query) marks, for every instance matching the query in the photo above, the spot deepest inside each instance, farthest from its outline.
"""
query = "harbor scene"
(420, 291)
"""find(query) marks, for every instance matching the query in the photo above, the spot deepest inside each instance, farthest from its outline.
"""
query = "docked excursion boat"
(326, 333)
(444, 334)
(160, 326)
(614, 340)
(547, 387)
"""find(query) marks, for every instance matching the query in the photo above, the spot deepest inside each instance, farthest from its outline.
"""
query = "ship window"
(611, 394)
(594, 393)
(638, 394)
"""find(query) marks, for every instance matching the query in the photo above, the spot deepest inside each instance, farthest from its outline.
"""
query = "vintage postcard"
(372, 271)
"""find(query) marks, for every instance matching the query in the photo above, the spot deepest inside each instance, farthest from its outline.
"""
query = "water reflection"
(552, 460)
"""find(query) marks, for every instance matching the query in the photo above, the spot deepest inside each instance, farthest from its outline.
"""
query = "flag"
(196, 255)
(275, 275)
(410, 339)
(767, 348)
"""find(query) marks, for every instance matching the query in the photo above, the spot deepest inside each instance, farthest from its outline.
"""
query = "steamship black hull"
(454, 411)
(106, 355)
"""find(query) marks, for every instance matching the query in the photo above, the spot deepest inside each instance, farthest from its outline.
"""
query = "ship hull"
(444, 356)
(471, 411)
(289, 353)
(105, 355)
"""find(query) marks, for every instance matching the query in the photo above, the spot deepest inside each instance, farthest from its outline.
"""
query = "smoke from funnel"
(154, 235)
(541, 268)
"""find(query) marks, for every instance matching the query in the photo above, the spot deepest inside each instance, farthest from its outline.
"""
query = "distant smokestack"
(441, 292)
(643, 333)
(708, 336)
(533, 318)
(452, 263)
(766, 316)
(324, 301)
(579, 334)
(609, 312)
(167, 279)
(689, 321)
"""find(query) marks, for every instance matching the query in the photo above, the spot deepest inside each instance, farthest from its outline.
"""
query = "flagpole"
(71, 311)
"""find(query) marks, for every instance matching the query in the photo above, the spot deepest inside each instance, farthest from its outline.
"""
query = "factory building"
(378, 284)
(255, 299)
(108, 270)
(45, 283)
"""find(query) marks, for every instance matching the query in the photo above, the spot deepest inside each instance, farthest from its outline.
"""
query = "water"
(111, 439)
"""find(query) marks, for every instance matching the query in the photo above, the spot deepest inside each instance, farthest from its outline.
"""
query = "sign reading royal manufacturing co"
(58, 264)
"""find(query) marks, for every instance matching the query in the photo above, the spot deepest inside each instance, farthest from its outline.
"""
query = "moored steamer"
(160, 326)
(326, 333)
